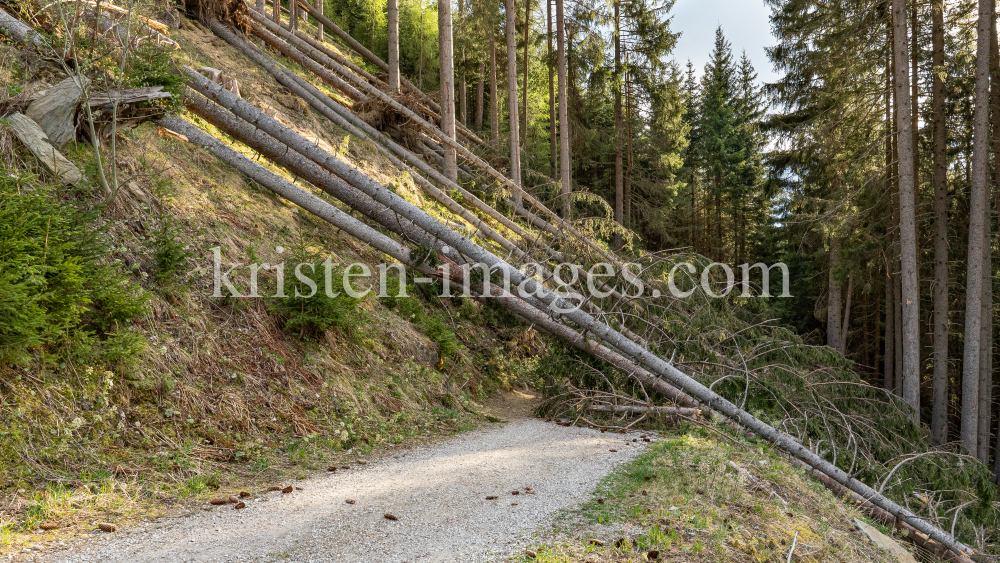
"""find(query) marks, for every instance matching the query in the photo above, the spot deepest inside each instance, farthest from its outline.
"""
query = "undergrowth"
(684, 500)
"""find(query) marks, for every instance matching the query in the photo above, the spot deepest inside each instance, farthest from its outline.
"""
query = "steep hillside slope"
(152, 385)
(216, 390)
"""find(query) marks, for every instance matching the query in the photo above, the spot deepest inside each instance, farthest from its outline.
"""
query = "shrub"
(314, 314)
(54, 291)
(170, 255)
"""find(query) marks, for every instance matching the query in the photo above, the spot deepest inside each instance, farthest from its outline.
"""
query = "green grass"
(683, 499)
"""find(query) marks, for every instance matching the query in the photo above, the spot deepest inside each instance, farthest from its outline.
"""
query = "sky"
(744, 23)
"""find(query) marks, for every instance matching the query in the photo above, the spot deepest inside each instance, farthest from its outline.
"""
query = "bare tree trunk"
(629, 153)
(619, 180)
(515, 148)
(995, 110)
(986, 349)
(986, 380)
(480, 87)
(319, 25)
(845, 325)
(393, 45)
(890, 338)
(420, 67)
(463, 95)
(977, 231)
(915, 92)
(524, 92)
(553, 155)
(447, 60)
(494, 103)
(910, 298)
(276, 14)
(894, 256)
(833, 300)
(564, 140)
(260, 6)
(939, 418)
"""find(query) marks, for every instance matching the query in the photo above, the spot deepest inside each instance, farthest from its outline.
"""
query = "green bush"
(314, 314)
(170, 255)
(56, 294)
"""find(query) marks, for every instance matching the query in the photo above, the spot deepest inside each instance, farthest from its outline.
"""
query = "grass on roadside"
(696, 496)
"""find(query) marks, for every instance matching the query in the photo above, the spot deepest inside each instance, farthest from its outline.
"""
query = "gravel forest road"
(438, 493)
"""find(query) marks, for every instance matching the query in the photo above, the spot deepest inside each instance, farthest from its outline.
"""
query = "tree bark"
(889, 361)
(463, 95)
(319, 26)
(515, 148)
(494, 103)
(616, 84)
(480, 89)
(524, 88)
(304, 54)
(447, 61)
(629, 152)
(564, 140)
(20, 32)
(897, 291)
(986, 347)
(889, 368)
(915, 92)
(977, 231)
(291, 192)
(845, 325)
(939, 418)
(910, 297)
(833, 300)
(987, 392)
(553, 155)
(285, 155)
(393, 46)
(628, 409)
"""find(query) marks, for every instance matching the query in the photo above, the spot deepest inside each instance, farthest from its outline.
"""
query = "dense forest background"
(811, 170)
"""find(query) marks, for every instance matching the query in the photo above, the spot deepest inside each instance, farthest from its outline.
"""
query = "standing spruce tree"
(717, 136)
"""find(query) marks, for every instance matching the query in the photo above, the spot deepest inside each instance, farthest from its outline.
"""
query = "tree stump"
(55, 111)
(215, 75)
(29, 133)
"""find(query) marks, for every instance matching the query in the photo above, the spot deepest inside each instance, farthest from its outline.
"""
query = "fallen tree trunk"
(355, 125)
(319, 46)
(430, 128)
(401, 252)
(614, 339)
(885, 518)
(374, 59)
(314, 67)
(23, 34)
(623, 409)
(316, 99)
(282, 187)
(313, 173)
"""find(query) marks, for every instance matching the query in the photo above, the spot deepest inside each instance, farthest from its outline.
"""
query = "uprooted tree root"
(382, 116)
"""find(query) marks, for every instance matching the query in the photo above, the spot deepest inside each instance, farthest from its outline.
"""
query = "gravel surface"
(438, 493)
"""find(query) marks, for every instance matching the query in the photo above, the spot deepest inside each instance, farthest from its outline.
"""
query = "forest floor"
(582, 495)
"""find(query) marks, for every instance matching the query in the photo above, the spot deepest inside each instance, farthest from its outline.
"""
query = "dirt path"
(437, 492)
